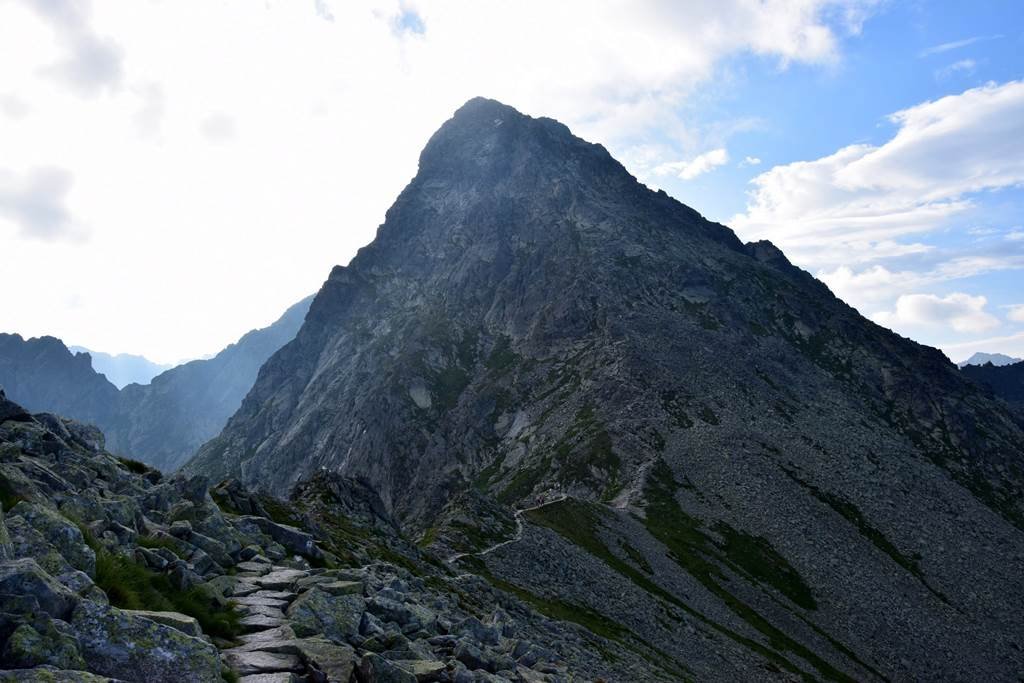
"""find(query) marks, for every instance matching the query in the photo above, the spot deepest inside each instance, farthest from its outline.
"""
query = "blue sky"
(905, 54)
(161, 197)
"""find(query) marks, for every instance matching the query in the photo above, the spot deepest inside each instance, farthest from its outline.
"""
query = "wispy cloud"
(963, 66)
(956, 45)
(699, 165)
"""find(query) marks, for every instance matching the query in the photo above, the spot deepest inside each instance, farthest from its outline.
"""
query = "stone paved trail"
(270, 651)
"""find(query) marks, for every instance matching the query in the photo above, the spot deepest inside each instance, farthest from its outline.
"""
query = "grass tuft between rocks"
(129, 585)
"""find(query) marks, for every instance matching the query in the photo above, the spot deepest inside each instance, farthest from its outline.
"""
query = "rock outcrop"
(161, 423)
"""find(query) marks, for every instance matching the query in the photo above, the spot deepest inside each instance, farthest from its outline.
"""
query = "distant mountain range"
(710, 456)
(162, 422)
(123, 368)
(982, 358)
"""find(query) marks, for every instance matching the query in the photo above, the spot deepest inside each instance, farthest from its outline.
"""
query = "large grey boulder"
(120, 644)
(336, 617)
(24, 577)
(59, 532)
(375, 668)
(293, 539)
(28, 647)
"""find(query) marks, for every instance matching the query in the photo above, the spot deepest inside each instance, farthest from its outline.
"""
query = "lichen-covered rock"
(27, 647)
(335, 662)
(336, 617)
(119, 644)
(184, 623)
(59, 532)
(24, 577)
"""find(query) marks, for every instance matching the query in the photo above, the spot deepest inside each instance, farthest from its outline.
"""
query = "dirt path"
(518, 516)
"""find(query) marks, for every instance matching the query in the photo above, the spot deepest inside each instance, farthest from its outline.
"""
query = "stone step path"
(269, 651)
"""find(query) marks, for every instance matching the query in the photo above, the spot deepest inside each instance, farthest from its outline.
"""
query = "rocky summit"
(549, 425)
(724, 462)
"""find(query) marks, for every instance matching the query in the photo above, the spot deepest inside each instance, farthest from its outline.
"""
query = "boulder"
(279, 677)
(280, 579)
(120, 644)
(25, 577)
(184, 623)
(336, 617)
(335, 662)
(375, 668)
(59, 532)
(295, 540)
(342, 587)
(256, 662)
(27, 647)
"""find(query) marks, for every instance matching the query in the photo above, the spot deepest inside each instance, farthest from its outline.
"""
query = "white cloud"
(699, 165)
(333, 108)
(837, 209)
(88, 63)
(1016, 313)
(37, 203)
(750, 161)
(869, 288)
(961, 312)
(1015, 235)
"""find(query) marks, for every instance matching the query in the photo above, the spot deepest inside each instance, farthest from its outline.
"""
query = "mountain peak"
(487, 141)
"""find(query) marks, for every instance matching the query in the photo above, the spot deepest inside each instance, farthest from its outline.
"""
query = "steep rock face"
(752, 457)
(529, 307)
(163, 422)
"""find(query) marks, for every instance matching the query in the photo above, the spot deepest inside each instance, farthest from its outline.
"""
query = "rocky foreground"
(109, 571)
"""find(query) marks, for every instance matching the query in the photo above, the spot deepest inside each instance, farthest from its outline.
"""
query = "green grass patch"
(281, 512)
(586, 446)
(131, 586)
(554, 608)
(854, 516)
(524, 481)
(698, 554)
